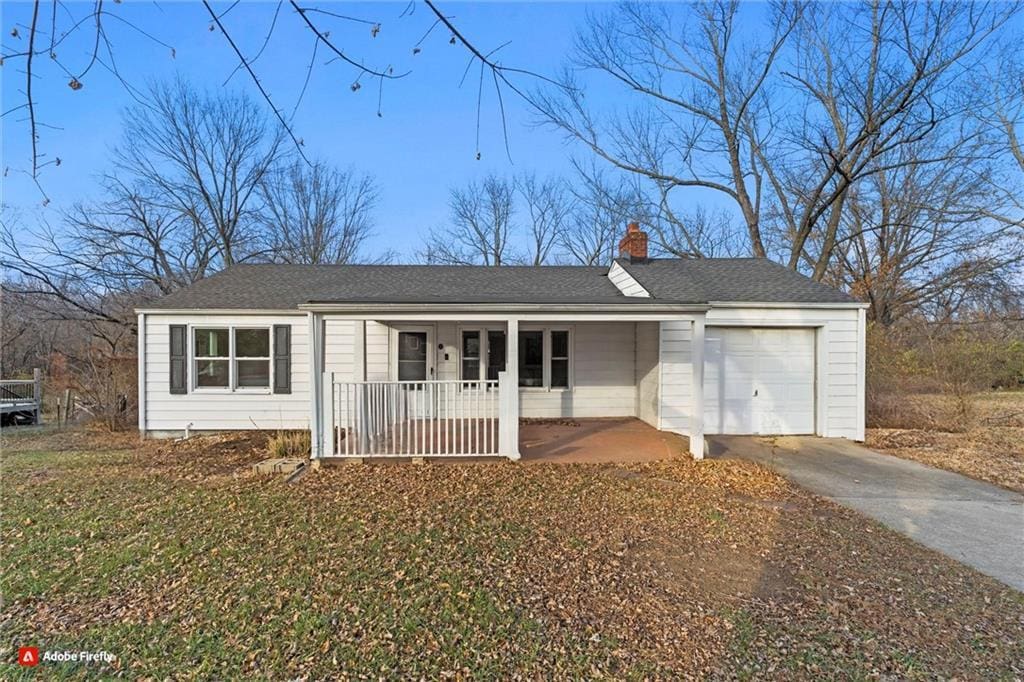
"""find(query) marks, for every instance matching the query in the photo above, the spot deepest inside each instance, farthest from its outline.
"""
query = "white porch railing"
(417, 418)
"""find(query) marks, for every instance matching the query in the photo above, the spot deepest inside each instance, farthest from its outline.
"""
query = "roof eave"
(511, 307)
(789, 304)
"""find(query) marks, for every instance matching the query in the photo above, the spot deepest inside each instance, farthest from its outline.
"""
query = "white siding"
(603, 376)
(208, 410)
(676, 375)
(647, 372)
(378, 352)
(838, 384)
(340, 349)
(602, 361)
(626, 283)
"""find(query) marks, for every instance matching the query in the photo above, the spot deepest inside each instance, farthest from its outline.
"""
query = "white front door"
(759, 380)
(413, 361)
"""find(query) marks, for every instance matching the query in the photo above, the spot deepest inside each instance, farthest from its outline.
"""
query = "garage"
(759, 380)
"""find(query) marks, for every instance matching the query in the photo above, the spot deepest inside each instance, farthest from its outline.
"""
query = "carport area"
(597, 441)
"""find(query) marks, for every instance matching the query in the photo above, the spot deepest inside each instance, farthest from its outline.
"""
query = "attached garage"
(759, 380)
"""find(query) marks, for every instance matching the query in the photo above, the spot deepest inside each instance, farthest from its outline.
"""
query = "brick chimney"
(634, 244)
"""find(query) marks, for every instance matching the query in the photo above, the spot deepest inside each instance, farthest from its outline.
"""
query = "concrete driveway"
(978, 524)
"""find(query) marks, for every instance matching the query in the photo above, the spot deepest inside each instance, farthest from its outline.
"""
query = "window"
(559, 359)
(470, 356)
(495, 353)
(252, 358)
(231, 358)
(531, 358)
(544, 360)
(213, 358)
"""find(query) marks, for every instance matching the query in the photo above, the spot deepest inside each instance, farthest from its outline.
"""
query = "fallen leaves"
(161, 553)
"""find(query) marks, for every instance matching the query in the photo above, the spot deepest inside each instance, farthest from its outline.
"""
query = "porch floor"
(596, 441)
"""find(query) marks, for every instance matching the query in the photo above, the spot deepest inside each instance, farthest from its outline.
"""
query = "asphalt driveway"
(976, 523)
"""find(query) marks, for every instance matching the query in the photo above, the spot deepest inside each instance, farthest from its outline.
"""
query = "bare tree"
(916, 237)
(783, 134)
(549, 203)
(876, 80)
(60, 45)
(182, 201)
(204, 156)
(481, 228)
(998, 111)
(316, 214)
(603, 206)
(695, 122)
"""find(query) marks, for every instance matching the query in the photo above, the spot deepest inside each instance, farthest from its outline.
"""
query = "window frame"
(485, 347)
(481, 356)
(544, 385)
(549, 358)
(546, 344)
(547, 329)
(232, 359)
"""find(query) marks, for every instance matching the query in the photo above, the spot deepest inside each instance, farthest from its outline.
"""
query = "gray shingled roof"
(279, 287)
(703, 280)
(284, 287)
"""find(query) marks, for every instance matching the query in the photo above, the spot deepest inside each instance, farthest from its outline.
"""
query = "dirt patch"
(994, 453)
(991, 448)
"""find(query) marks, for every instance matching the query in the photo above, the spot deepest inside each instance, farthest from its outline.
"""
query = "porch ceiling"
(524, 312)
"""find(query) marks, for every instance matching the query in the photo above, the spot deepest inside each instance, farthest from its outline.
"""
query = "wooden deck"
(21, 400)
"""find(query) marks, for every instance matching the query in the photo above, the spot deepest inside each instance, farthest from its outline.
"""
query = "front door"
(414, 362)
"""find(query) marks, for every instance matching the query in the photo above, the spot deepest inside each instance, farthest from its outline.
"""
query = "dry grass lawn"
(174, 559)
(992, 449)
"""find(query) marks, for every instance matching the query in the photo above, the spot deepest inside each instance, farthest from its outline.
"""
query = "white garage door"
(759, 380)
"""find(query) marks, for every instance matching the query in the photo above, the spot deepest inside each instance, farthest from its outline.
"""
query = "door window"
(412, 356)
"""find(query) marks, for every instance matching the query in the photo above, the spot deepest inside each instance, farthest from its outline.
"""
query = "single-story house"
(427, 360)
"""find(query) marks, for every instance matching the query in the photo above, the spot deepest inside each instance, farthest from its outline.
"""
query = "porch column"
(359, 375)
(508, 392)
(697, 411)
(316, 386)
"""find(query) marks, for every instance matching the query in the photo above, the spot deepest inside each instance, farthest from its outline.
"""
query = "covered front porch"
(443, 383)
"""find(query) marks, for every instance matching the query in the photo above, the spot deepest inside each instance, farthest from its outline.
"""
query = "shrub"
(927, 376)
(290, 444)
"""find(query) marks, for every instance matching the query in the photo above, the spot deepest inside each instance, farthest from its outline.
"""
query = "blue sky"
(424, 143)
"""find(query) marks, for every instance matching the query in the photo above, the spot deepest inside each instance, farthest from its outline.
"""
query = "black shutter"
(282, 358)
(179, 359)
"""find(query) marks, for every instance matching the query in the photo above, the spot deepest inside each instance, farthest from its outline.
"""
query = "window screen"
(412, 356)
